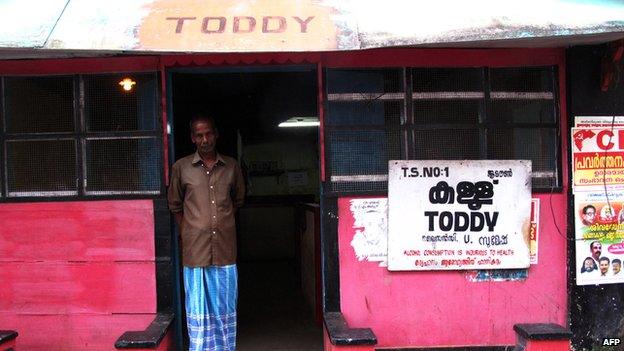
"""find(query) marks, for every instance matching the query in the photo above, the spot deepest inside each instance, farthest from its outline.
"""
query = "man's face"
(616, 267)
(204, 137)
(596, 250)
(604, 266)
(590, 215)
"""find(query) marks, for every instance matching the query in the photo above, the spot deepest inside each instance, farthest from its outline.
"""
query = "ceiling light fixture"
(297, 122)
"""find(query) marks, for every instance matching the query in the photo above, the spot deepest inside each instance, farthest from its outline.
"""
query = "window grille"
(39, 104)
(80, 135)
(376, 115)
(41, 168)
(122, 166)
(111, 109)
(363, 114)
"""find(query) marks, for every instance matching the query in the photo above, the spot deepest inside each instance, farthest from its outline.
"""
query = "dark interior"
(281, 170)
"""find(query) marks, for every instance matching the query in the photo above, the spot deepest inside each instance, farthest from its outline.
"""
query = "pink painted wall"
(438, 308)
(76, 275)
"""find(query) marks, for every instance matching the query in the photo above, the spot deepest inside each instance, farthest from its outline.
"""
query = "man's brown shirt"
(208, 200)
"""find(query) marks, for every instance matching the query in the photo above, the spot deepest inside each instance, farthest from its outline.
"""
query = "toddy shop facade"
(414, 180)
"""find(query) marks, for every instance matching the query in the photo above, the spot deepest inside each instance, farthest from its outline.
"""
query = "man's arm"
(239, 188)
(175, 196)
(178, 216)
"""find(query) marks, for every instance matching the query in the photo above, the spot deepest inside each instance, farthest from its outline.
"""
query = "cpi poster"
(597, 158)
(598, 164)
(458, 215)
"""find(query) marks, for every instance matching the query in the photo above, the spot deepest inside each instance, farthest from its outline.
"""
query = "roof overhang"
(70, 28)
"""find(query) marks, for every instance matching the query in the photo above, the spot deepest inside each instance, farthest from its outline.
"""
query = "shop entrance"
(278, 260)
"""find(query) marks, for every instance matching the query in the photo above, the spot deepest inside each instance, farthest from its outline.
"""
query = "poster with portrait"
(459, 215)
(370, 229)
(599, 223)
(599, 262)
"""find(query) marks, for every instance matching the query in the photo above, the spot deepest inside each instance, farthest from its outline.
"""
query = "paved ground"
(272, 315)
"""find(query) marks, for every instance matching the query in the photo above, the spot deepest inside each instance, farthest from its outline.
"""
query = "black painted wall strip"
(164, 269)
(329, 254)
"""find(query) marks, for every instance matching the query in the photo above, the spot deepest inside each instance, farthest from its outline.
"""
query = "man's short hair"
(587, 208)
(616, 260)
(604, 258)
(202, 117)
(591, 245)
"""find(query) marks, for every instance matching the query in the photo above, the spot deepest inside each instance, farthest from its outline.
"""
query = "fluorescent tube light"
(297, 122)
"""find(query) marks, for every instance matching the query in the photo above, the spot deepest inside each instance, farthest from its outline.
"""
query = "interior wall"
(597, 311)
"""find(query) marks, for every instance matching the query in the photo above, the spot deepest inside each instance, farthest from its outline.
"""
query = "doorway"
(276, 307)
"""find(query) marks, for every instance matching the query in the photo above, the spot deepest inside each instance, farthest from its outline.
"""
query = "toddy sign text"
(243, 24)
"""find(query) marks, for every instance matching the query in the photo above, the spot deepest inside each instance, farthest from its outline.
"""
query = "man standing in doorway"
(205, 190)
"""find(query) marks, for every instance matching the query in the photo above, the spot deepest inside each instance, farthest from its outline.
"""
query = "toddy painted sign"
(210, 25)
(597, 158)
(457, 215)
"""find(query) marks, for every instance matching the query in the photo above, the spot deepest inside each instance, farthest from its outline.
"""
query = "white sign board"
(455, 215)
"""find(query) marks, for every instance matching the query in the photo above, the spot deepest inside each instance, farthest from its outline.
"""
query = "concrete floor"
(272, 313)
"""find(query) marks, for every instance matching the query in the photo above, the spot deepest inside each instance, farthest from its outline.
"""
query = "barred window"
(439, 113)
(80, 135)
(362, 116)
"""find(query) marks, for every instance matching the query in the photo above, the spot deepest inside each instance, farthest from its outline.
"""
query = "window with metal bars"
(372, 116)
(363, 113)
(80, 135)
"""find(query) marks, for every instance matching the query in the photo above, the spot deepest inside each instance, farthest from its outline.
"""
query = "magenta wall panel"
(76, 275)
(77, 231)
(73, 331)
(96, 287)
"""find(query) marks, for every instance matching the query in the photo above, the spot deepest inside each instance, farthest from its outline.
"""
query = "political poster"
(598, 121)
(597, 158)
(599, 223)
(458, 215)
(598, 184)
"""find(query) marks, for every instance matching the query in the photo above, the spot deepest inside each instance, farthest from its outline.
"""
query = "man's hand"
(179, 218)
